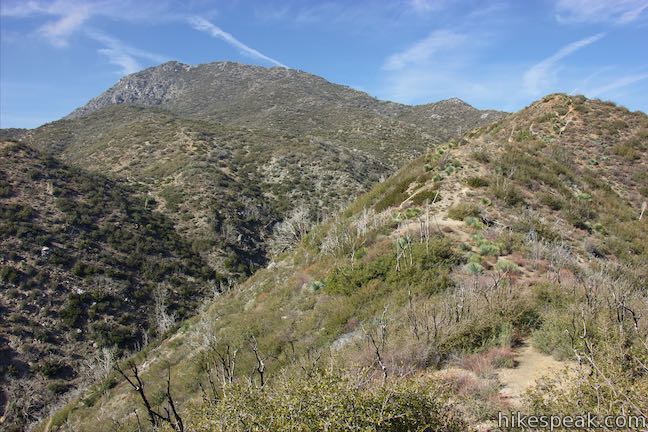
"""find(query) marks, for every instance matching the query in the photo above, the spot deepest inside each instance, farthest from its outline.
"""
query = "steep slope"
(528, 229)
(12, 134)
(82, 262)
(224, 187)
(230, 150)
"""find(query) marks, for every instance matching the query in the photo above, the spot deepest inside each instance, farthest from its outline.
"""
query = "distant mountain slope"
(529, 229)
(225, 187)
(81, 263)
(229, 150)
(452, 117)
(279, 98)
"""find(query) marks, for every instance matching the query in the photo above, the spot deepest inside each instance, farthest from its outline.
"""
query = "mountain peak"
(274, 98)
(453, 101)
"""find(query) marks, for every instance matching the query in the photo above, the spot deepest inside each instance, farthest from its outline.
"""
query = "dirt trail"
(439, 216)
(530, 365)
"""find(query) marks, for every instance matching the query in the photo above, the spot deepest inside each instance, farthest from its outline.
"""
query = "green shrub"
(506, 266)
(508, 193)
(395, 195)
(551, 338)
(553, 201)
(10, 371)
(83, 270)
(579, 213)
(474, 222)
(173, 197)
(328, 401)
(347, 280)
(530, 222)
(474, 268)
(316, 285)
(73, 311)
(109, 335)
(412, 212)
(489, 249)
(485, 201)
(481, 155)
(475, 258)
(5, 189)
(428, 272)
(463, 210)
(58, 387)
(599, 228)
(523, 135)
(477, 182)
(9, 274)
(427, 195)
(51, 368)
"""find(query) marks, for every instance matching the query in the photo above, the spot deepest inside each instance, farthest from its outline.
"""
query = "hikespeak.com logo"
(518, 420)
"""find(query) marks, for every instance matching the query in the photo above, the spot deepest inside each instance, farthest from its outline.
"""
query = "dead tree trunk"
(260, 367)
(155, 417)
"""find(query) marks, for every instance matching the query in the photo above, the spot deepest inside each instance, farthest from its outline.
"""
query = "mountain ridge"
(270, 134)
(171, 85)
(527, 229)
(219, 161)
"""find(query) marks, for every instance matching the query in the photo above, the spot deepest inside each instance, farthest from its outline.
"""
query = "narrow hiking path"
(530, 366)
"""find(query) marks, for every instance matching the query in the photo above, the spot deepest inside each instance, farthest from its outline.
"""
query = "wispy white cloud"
(362, 17)
(122, 54)
(616, 84)
(597, 11)
(483, 87)
(21, 9)
(67, 17)
(58, 32)
(271, 12)
(584, 83)
(425, 6)
(424, 50)
(540, 76)
(358, 14)
(70, 17)
(213, 30)
(447, 63)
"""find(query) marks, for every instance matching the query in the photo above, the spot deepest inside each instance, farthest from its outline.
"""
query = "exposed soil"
(530, 365)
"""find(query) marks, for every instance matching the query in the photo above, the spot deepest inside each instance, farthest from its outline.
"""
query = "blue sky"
(56, 55)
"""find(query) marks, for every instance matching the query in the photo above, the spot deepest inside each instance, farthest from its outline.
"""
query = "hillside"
(529, 230)
(230, 150)
(282, 99)
(224, 187)
(86, 269)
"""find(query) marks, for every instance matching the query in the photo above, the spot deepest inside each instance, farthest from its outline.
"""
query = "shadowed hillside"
(86, 269)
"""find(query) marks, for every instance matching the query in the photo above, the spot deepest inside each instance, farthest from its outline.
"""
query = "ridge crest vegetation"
(530, 230)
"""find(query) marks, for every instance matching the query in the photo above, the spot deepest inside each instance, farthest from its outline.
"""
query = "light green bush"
(463, 210)
(328, 402)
